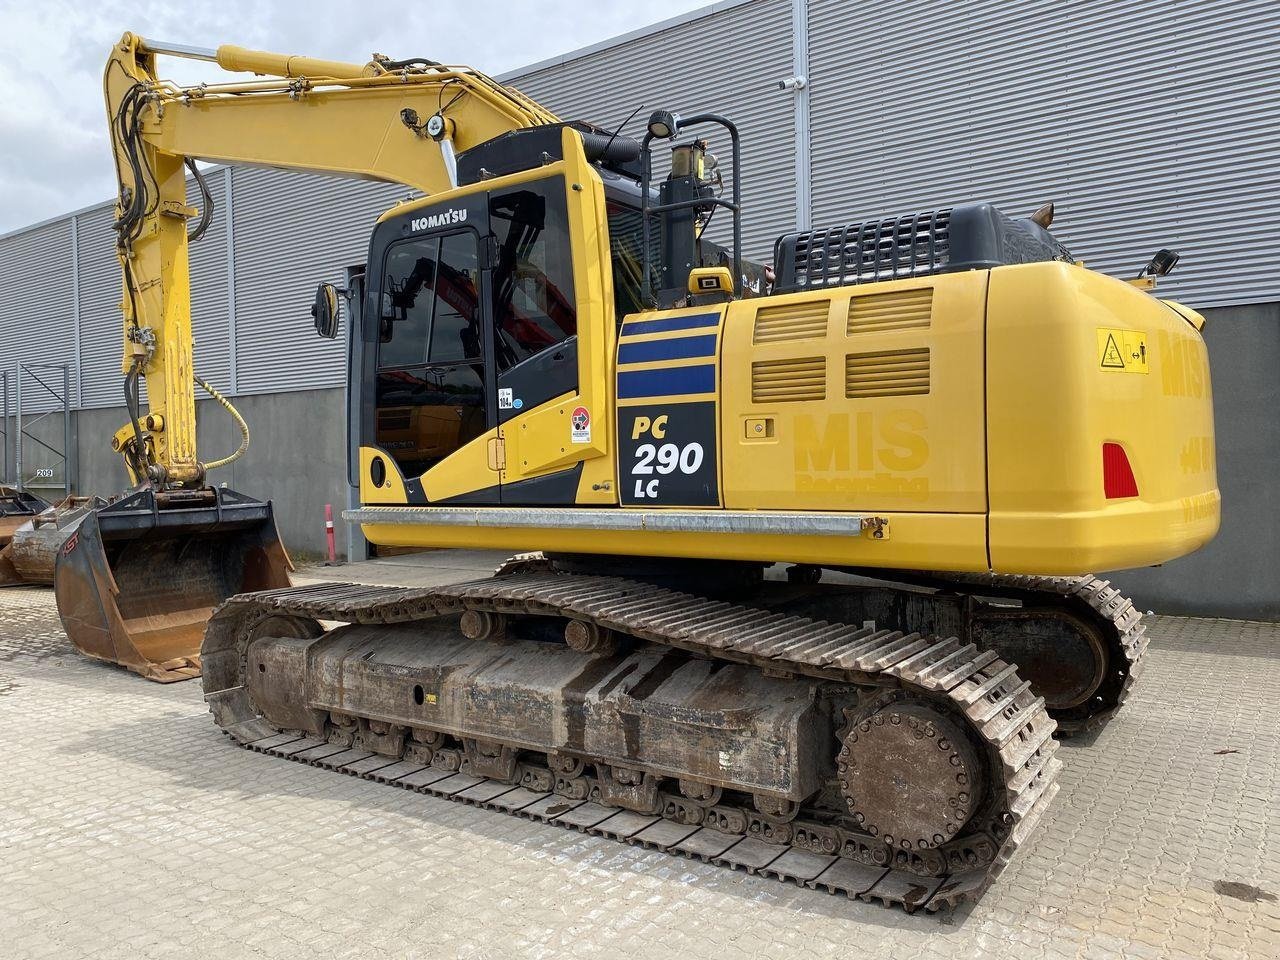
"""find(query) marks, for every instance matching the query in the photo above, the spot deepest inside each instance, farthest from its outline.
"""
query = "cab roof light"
(1117, 474)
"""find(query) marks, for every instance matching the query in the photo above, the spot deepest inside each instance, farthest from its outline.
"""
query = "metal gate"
(43, 462)
(6, 461)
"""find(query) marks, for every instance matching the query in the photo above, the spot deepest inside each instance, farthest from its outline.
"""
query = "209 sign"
(667, 455)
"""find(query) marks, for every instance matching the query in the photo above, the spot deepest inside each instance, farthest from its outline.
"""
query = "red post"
(328, 532)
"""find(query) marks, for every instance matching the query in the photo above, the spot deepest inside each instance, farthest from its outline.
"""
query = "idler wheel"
(910, 776)
(1064, 658)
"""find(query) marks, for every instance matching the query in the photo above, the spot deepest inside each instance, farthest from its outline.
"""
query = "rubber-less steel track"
(816, 849)
(1119, 623)
(1114, 617)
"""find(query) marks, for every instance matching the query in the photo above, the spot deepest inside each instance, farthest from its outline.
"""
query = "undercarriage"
(789, 736)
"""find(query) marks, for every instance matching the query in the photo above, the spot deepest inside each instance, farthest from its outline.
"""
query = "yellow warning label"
(1122, 350)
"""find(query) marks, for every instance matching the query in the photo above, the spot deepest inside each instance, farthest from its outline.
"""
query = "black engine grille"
(969, 237)
(865, 252)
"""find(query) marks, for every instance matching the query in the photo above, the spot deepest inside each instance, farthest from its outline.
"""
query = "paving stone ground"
(129, 827)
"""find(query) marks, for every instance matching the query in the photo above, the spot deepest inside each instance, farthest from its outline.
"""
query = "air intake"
(792, 321)
(786, 381)
(972, 237)
(887, 373)
(899, 310)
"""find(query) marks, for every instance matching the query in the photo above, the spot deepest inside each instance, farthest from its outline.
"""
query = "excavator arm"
(395, 121)
(136, 580)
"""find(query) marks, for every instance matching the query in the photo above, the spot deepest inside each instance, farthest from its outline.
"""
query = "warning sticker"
(580, 425)
(1124, 351)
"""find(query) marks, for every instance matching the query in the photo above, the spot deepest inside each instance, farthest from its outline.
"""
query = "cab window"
(430, 305)
(430, 385)
(533, 295)
(626, 249)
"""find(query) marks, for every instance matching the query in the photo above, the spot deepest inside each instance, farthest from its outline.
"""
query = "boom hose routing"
(235, 415)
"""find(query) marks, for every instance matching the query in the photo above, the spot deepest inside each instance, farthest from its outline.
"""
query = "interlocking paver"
(129, 827)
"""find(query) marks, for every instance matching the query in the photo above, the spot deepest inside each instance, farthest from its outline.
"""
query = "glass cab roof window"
(430, 305)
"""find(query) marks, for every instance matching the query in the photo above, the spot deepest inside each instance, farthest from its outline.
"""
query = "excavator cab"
(136, 580)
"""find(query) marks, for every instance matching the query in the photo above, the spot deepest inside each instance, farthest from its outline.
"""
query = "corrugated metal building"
(1149, 125)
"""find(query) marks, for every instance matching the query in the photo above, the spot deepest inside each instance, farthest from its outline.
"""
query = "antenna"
(620, 126)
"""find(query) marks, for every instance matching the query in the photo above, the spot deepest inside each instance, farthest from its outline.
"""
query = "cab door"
(535, 342)
(434, 401)
(479, 380)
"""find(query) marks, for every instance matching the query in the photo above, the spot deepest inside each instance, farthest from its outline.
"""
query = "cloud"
(54, 155)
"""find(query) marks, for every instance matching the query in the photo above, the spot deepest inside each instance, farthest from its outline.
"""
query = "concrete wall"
(296, 457)
(1238, 573)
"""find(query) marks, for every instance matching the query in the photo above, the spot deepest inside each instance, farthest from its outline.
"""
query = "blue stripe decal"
(667, 324)
(673, 348)
(668, 382)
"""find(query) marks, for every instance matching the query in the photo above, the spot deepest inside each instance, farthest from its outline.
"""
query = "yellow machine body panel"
(956, 421)
(1094, 361)
(859, 398)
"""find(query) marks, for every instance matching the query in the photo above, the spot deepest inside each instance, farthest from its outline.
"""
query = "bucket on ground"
(29, 542)
(136, 580)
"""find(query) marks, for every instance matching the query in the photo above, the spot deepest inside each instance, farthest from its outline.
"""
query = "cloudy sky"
(53, 144)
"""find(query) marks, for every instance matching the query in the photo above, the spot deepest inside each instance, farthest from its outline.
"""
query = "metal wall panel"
(1148, 124)
(292, 231)
(727, 62)
(101, 382)
(210, 287)
(37, 306)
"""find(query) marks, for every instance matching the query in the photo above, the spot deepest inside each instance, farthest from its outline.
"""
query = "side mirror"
(324, 311)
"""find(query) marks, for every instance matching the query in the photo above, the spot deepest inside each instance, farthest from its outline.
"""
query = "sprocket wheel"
(910, 776)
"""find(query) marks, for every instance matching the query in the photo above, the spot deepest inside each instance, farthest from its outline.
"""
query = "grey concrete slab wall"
(296, 458)
(1238, 573)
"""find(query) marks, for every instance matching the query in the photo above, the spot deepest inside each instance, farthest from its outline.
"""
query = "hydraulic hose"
(235, 415)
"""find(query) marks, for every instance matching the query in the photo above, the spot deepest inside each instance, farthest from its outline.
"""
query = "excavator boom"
(136, 579)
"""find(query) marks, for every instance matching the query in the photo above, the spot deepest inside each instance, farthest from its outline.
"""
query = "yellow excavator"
(936, 423)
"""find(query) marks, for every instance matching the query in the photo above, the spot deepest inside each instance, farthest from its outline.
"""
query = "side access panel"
(864, 398)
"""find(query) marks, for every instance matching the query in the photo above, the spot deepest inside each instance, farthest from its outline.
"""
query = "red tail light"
(1117, 474)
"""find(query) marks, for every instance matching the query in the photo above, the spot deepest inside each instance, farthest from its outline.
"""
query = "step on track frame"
(983, 690)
